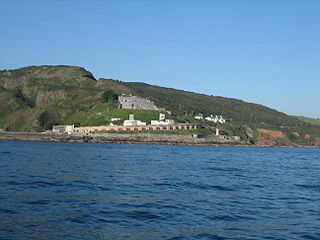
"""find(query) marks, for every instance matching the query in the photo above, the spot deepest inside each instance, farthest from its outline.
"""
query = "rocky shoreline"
(143, 138)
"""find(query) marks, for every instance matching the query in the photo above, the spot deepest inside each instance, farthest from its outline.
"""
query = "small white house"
(63, 129)
(162, 121)
(162, 117)
(132, 122)
(215, 119)
(115, 119)
(199, 116)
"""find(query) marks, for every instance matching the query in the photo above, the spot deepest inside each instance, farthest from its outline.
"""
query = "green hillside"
(241, 115)
(309, 120)
(37, 97)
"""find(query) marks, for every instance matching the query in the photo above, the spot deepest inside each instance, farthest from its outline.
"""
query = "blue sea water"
(108, 191)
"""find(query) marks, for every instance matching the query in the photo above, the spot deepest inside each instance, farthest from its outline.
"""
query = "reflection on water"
(106, 191)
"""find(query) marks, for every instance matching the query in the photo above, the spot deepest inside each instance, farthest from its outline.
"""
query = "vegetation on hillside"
(37, 97)
(309, 120)
(109, 96)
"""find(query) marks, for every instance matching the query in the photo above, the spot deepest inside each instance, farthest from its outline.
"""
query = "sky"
(265, 52)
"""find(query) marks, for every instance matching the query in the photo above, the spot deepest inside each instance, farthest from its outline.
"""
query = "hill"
(38, 97)
(242, 115)
(309, 120)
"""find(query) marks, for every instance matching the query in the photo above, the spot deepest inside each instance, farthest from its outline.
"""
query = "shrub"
(109, 96)
(18, 93)
(48, 119)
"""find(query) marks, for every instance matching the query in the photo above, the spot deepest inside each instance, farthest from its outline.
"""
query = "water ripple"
(312, 187)
(105, 191)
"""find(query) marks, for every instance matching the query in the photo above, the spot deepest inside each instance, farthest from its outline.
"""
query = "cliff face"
(34, 98)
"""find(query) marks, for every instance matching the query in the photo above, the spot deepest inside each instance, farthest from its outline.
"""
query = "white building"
(199, 116)
(63, 129)
(115, 119)
(162, 121)
(215, 119)
(132, 122)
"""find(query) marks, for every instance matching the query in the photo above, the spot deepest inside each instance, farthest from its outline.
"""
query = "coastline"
(143, 138)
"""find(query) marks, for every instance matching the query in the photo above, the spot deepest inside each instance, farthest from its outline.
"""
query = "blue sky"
(266, 52)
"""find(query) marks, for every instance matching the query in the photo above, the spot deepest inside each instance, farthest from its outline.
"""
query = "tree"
(109, 96)
(18, 93)
(47, 119)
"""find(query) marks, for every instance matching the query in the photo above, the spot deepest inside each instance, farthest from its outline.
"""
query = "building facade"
(120, 128)
(215, 119)
(63, 129)
(162, 121)
(135, 102)
(132, 122)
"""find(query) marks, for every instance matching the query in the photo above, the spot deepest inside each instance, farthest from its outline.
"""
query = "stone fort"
(135, 102)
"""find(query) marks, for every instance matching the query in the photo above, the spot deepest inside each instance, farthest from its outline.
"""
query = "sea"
(51, 190)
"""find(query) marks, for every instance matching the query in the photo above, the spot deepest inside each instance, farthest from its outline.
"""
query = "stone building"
(136, 102)
(63, 129)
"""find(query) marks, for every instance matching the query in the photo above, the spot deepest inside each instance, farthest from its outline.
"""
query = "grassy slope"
(37, 97)
(184, 104)
(309, 120)
(57, 95)
(61, 91)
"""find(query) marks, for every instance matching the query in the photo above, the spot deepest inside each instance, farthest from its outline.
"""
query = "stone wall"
(135, 102)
